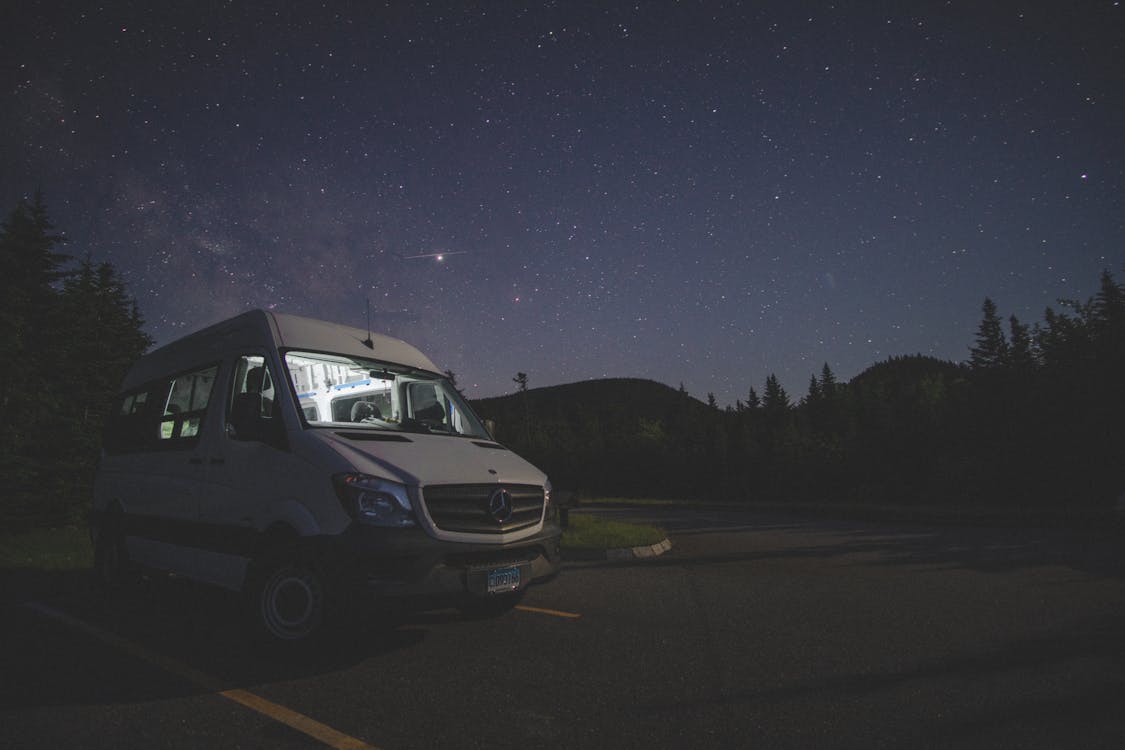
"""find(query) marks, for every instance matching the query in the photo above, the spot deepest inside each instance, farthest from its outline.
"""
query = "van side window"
(130, 427)
(162, 414)
(253, 398)
(187, 404)
(133, 404)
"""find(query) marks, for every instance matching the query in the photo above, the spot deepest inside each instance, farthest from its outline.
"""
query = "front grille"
(465, 507)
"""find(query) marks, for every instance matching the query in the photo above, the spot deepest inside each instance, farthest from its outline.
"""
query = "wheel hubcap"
(291, 603)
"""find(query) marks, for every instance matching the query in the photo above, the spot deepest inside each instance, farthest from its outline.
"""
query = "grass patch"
(640, 501)
(66, 548)
(593, 532)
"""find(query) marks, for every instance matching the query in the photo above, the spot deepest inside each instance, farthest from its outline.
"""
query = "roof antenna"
(368, 342)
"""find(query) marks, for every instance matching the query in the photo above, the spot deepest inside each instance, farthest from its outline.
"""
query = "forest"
(69, 331)
(1033, 418)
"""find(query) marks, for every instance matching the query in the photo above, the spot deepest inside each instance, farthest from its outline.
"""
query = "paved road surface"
(754, 631)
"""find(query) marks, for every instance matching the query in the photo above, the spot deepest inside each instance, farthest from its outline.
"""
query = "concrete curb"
(622, 553)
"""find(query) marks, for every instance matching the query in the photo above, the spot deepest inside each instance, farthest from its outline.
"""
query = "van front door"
(246, 471)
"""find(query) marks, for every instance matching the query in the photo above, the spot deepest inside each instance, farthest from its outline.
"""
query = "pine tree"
(67, 348)
(31, 266)
(99, 326)
(28, 253)
(753, 401)
(1107, 400)
(828, 415)
(521, 383)
(828, 382)
(991, 350)
(775, 400)
(102, 328)
(1108, 318)
(815, 394)
(1067, 341)
(1021, 354)
(1055, 338)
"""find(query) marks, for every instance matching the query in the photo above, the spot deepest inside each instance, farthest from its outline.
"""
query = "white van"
(301, 461)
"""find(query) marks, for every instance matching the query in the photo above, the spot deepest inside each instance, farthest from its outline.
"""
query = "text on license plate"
(503, 579)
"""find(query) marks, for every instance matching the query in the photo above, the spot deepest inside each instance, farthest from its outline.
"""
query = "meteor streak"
(437, 256)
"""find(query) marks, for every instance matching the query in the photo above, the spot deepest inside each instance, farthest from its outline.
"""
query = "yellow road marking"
(555, 612)
(300, 722)
(269, 709)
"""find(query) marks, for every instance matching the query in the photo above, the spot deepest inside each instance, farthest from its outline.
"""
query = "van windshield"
(336, 390)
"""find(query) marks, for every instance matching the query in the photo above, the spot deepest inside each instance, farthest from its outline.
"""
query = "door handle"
(218, 461)
(197, 461)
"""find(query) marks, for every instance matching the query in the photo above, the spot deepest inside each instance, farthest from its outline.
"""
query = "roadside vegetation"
(58, 549)
(666, 502)
(590, 532)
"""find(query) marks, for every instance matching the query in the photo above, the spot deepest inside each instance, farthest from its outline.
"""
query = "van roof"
(261, 327)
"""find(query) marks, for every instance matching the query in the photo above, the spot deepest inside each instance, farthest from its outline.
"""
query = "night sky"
(695, 192)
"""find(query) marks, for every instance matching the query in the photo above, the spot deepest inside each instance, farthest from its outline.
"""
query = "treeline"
(1036, 417)
(69, 331)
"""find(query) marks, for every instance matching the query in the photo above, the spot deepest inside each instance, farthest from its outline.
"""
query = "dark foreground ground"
(754, 631)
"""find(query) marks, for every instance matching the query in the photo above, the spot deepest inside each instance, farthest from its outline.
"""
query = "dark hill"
(627, 399)
(910, 391)
(614, 436)
(908, 369)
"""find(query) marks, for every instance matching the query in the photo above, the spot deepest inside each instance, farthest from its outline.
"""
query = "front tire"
(288, 603)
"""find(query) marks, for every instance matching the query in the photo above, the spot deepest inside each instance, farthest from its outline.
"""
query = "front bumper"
(410, 564)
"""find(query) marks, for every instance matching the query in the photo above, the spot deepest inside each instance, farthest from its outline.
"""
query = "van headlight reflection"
(374, 501)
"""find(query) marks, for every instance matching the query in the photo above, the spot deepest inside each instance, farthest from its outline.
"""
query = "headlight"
(547, 509)
(374, 501)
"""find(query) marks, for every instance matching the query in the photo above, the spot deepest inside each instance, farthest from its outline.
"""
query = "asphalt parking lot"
(753, 631)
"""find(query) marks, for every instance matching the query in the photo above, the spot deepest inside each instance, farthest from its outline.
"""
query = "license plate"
(503, 580)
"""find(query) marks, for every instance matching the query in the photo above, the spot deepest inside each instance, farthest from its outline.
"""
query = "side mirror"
(490, 427)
